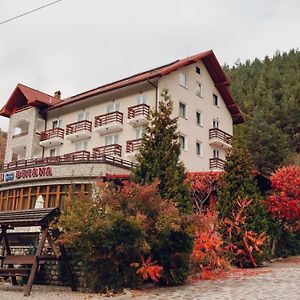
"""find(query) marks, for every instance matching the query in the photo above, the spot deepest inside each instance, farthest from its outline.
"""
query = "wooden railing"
(114, 149)
(52, 133)
(113, 117)
(19, 135)
(70, 158)
(140, 109)
(133, 145)
(216, 163)
(220, 134)
(84, 125)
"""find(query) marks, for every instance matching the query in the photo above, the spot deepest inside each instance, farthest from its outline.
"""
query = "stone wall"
(52, 272)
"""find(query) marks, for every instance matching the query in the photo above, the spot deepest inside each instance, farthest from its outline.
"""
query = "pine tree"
(159, 156)
(237, 181)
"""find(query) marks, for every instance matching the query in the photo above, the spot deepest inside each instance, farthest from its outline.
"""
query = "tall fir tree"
(159, 156)
(237, 181)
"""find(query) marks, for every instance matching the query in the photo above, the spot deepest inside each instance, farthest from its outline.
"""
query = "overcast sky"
(76, 45)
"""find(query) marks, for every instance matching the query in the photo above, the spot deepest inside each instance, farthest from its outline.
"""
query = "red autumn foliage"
(148, 269)
(209, 252)
(241, 242)
(284, 203)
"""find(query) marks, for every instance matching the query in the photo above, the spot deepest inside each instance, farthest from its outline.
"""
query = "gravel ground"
(280, 280)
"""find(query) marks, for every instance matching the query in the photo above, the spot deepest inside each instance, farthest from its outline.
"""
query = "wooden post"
(36, 261)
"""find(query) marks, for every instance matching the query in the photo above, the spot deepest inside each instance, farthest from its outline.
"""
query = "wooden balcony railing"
(70, 158)
(114, 149)
(52, 133)
(137, 110)
(216, 163)
(113, 117)
(19, 135)
(133, 145)
(83, 154)
(84, 125)
(220, 134)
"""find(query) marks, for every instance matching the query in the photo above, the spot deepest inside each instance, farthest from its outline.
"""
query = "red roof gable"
(26, 96)
(210, 61)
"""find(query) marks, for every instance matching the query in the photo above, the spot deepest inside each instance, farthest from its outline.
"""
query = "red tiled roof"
(24, 95)
(210, 61)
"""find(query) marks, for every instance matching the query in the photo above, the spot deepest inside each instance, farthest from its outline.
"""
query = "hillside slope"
(268, 93)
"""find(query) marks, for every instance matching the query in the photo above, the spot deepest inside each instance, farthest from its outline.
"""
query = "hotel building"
(56, 146)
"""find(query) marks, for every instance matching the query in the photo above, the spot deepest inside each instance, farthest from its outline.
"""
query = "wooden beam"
(47, 196)
(57, 196)
(35, 265)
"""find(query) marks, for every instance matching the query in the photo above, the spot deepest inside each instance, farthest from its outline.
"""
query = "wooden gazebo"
(24, 218)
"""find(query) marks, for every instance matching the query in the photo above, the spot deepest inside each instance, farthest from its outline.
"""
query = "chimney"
(57, 94)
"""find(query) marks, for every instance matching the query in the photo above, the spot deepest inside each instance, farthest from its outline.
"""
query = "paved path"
(280, 280)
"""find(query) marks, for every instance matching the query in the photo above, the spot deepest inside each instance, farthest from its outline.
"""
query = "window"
(182, 110)
(56, 123)
(83, 115)
(111, 139)
(81, 146)
(183, 142)
(142, 98)
(216, 153)
(199, 148)
(216, 123)
(199, 90)
(199, 118)
(215, 100)
(182, 80)
(198, 71)
(53, 152)
(112, 107)
(139, 133)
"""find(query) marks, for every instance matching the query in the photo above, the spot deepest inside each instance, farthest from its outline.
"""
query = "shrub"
(283, 206)
(118, 225)
(209, 254)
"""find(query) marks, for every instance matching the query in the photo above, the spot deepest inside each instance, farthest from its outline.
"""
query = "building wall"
(97, 106)
(204, 104)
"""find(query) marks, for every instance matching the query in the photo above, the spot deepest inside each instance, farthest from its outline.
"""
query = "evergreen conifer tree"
(238, 180)
(159, 156)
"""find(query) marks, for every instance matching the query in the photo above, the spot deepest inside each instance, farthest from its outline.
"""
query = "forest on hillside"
(268, 93)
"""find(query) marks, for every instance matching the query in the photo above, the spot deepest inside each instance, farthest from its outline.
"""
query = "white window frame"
(56, 152)
(83, 115)
(183, 80)
(216, 123)
(142, 98)
(113, 107)
(200, 148)
(139, 132)
(114, 139)
(201, 118)
(216, 153)
(199, 90)
(81, 146)
(184, 116)
(185, 142)
(216, 97)
(58, 123)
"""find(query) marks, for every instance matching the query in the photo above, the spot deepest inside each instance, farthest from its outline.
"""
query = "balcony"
(52, 137)
(132, 148)
(220, 138)
(15, 136)
(216, 163)
(109, 123)
(75, 156)
(114, 150)
(138, 114)
(79, 131)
